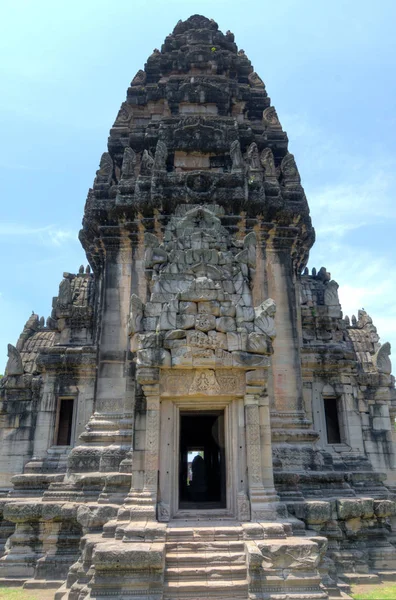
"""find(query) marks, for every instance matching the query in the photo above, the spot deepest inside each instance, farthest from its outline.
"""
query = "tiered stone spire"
(197, 127)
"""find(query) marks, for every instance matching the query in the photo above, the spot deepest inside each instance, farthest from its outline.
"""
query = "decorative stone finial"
(14, 363)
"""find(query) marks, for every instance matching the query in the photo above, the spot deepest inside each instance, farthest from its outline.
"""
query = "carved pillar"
(286, 364)
(152, 439)
(266, 447)
(262, 502)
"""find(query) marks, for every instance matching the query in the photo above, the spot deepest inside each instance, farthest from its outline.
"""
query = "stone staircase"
(205, 562)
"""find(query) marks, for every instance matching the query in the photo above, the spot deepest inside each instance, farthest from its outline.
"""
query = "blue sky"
(329, 68)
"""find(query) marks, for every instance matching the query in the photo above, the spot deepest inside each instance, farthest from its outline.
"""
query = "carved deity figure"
(128, 163)
(268, 163)
(146, 165)
(161, 154)
(253, 157)
(105, 172)
(65, 294)
(236, 156)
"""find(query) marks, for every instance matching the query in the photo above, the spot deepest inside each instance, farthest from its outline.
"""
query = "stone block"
(182, 357)
(176, 334)
(186, 321)
(248, 360)
(258, 343)
(205, 322)
(256, 377)
(223, 358)
(236, 341)
(188, 308)
(217, 340)
(153, 309)
(384, 508)
(209, 308)
(167, 320)
(203, 357)
(198, 339)
(292, 553)
(349, 508)
(313, 512)
(244, 313)
(113, 556)
(149, 323)
(225, 324)
(154, 357)
(227, 309)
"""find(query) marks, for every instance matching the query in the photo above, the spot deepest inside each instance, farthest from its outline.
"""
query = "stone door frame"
(170, 447)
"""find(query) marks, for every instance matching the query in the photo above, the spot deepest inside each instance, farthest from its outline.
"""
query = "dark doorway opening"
(332, 422)
(202, 460)
(65, 422)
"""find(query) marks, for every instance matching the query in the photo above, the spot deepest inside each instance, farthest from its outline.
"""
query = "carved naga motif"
(289, 169)
(105, 172)
(270, 118)
(14, 363)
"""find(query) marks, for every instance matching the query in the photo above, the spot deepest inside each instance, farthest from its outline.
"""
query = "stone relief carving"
(289, 169)
(163, 512)
(206, 382)
(146, 165)
(14, 363)
(140, 78)
(236, 157)
(161, 153)
(268, 163)
(105, 172)
(331, 294)
(243, 507)
(65, 294)
(135, 315)
(270, 118)
(381, 359)
(128, 164)
(253, 157)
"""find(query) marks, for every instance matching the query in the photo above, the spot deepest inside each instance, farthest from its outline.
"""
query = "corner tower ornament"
(199, 375)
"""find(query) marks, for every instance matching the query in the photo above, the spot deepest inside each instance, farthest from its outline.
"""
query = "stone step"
(359, 577)
(387, 575)
(195, 533)
(197, 590)
(190, 558)
(203, 546)
(11, 582)
(42, 584)
(228, 572)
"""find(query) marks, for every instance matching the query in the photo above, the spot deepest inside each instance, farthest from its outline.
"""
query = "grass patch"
(15, 593)
(383, 591)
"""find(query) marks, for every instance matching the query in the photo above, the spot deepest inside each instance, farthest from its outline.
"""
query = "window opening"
(332, 421)
(65, 422)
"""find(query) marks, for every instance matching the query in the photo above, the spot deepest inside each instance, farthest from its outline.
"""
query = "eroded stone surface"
(197, 230)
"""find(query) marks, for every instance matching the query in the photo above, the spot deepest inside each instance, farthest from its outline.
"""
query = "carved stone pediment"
(202, 382)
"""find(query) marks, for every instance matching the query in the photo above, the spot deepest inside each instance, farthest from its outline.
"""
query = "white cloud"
(50, 234)
(347, 192)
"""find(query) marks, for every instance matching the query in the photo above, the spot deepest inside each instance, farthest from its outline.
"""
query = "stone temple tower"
(196, 418)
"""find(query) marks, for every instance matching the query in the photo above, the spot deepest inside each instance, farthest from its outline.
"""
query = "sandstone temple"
(197, 419)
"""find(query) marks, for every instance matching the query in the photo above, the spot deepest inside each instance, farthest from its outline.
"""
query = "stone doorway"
(202, 464)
